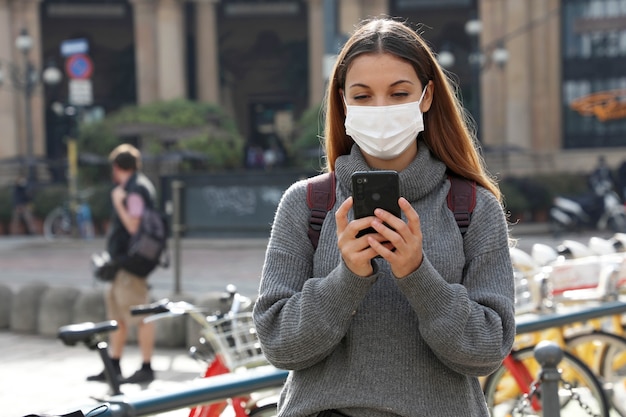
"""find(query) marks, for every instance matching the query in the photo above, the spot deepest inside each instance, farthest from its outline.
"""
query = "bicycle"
(580, 389)
(69, 220)
(594, 360)
(228, 344)
(597, 343)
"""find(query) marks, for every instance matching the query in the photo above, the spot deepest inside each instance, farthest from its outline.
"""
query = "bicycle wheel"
(58, 224)
(580, 392)
(605, 354)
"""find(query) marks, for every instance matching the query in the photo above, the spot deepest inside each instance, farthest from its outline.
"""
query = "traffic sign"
(74, 46)
(79, 67)
(81, 92)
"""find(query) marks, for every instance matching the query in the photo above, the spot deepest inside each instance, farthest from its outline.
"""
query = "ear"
(428, 97)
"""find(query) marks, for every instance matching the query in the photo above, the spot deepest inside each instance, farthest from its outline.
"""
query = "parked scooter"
(601, 209)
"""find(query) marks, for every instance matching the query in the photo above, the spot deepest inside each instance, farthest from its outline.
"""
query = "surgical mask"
(385, 132)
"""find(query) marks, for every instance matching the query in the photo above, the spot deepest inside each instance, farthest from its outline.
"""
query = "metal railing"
(201, 391)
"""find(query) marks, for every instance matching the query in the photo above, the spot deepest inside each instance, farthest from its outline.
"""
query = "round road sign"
(79, 67)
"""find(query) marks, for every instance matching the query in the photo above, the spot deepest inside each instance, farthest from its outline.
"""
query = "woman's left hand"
(406, 239)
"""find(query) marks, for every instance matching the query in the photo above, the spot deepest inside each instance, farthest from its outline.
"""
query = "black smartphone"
(375, 189)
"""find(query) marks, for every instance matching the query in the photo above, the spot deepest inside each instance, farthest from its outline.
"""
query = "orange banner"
(605, 105)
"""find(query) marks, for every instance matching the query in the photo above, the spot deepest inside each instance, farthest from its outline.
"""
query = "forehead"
(379, 68)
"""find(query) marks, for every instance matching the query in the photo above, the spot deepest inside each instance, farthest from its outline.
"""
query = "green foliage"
(97, 138)
(6, 204)
(99, 199)
(47, 198)
(564, 184)
(307, 142)
(514, 200)
(169, 126)
(309, 128)
(534, 194)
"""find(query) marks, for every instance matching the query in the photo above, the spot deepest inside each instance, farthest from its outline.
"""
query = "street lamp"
(478, 60)
(25, 78)
(474, 28)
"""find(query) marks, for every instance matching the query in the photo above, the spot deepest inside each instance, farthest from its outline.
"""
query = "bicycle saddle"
(84, 332)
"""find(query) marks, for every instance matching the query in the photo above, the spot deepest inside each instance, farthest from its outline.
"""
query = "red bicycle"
(228, 343)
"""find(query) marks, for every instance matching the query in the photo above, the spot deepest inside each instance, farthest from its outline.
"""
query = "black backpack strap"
(320, 198)
(462, 200)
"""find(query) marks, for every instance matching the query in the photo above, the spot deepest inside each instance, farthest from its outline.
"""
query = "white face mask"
(385, 131)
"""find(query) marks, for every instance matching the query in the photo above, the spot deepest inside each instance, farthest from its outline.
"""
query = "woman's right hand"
(356, 252)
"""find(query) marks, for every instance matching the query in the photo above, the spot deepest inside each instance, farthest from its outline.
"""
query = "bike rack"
(201, 391)
(529, 323)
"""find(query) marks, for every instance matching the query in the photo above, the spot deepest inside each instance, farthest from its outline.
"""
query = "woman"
(403, 321)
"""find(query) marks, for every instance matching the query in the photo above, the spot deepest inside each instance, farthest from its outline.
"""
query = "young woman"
(401, 322)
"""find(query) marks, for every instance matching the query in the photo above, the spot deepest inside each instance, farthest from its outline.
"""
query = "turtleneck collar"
(422, 176)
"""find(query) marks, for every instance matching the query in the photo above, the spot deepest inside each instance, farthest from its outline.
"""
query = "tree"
(192, 130)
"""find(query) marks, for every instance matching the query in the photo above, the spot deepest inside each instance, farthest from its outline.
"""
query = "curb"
(40, 309)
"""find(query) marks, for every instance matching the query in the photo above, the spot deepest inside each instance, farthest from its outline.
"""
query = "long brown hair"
(446, 124)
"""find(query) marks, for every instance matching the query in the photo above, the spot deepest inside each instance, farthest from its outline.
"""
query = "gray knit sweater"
(380, 346)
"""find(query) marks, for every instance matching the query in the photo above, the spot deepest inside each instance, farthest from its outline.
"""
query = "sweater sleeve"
(301, 319)
(470, 326)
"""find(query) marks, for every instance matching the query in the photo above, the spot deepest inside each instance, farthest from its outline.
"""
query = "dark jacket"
(118, 237)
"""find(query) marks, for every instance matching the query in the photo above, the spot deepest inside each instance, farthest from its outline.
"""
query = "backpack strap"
(462, 200)
(320, 198)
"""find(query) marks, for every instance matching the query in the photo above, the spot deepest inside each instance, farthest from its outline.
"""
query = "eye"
(360, 97)
(400, 94)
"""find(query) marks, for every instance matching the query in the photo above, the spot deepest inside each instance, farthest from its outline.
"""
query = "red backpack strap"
(320, 197)
(462, 200)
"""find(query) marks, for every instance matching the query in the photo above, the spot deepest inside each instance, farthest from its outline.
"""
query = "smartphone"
(375, 189)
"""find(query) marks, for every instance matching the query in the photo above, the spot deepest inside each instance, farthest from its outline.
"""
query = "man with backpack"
(132, 197)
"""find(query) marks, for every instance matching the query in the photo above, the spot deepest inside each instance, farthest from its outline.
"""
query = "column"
(25, 14)
(171, 50)
(146, 69)
(316, 51)
(554, 139)
(518, 78)
(375, 8)
(8, 114)
(350, 14)
(493, 83)
(207, 49)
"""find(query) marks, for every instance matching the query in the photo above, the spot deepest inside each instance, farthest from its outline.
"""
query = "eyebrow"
(391, 85)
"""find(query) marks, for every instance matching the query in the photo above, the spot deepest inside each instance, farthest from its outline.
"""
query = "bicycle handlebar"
(161, 306)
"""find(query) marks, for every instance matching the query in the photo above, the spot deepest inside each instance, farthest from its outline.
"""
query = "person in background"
(22, 207)
(403, 321)
(133, 192)
(601, 178)
(621, 176)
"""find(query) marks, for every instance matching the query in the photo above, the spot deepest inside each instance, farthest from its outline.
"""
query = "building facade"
(266, 61)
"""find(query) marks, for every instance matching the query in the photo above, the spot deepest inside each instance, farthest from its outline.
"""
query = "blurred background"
(223, 97)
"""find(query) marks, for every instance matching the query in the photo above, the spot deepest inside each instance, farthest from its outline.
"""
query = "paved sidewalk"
(42, 375)
(206, 264)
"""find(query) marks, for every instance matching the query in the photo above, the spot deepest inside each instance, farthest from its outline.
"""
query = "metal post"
(549, 354)
(28, 118)
(109, 370)
(476, 69)
(177, 230)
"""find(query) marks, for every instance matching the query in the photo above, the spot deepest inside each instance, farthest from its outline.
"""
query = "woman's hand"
(357, 253)
(404, 253)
